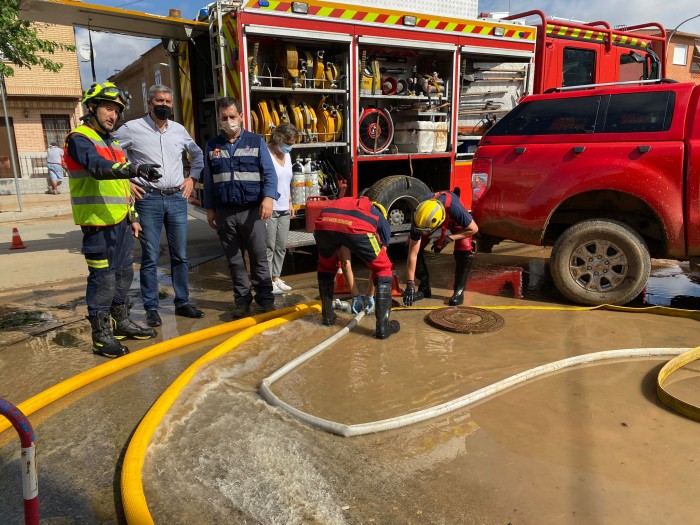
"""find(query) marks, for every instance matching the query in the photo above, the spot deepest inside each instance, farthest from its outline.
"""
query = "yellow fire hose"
(685, 408)
(74, 383)
(133, 497)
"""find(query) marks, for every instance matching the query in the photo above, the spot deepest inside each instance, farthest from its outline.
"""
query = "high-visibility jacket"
(348, 215)
(97, 202)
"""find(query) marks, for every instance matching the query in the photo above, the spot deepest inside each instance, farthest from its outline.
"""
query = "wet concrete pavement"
(591, 445)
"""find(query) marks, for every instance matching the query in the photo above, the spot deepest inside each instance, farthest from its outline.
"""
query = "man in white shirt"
(154, 139)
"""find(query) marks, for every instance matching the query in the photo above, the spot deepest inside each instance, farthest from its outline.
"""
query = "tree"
(21, 45)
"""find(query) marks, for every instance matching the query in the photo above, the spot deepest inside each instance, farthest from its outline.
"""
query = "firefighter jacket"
(239, 173)
(353, 216)
(97, 202)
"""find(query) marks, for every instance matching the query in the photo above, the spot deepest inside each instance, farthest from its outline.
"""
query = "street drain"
(465, 320)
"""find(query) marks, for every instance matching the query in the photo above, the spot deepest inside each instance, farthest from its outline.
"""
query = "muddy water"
(590, 445)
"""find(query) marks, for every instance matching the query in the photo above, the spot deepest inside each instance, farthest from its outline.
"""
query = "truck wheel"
(600, 262)
(400, 195)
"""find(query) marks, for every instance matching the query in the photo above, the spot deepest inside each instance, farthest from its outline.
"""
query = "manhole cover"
(465, 320)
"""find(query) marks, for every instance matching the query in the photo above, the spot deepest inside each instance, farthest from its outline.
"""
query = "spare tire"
(400, 195)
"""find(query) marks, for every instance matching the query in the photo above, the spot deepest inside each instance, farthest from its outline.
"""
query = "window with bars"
(56, 127)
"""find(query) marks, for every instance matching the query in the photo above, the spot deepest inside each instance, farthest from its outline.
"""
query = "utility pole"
(10, 141)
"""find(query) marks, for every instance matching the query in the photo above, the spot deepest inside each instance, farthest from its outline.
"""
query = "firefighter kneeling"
(361, 226)
(445, 211)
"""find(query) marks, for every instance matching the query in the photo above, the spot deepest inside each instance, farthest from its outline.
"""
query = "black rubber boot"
(124, 327)
(385, 327)
(103, 342)
(326, 284)
(423, 277)
(463, 263)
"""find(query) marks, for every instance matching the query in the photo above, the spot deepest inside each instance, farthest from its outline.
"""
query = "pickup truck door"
(573, 150)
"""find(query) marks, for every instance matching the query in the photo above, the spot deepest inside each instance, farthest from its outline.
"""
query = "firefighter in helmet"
(442, 211)
(360, 226)
(100, 199)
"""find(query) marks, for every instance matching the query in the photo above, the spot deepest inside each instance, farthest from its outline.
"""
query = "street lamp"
(673, 32)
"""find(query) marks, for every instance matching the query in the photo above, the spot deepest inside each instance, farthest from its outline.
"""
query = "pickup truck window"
(639, 112)
(550, 117)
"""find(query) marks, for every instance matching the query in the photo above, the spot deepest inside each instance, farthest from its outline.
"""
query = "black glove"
(437, 248)
(149, 172)
(409, 294)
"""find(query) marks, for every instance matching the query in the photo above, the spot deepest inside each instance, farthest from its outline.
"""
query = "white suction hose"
(461, 402)
(271, 398)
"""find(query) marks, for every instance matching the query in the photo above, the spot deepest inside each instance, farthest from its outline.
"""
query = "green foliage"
(20, 43)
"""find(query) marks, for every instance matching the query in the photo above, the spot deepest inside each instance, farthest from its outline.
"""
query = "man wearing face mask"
(240, 185)
(156, 139)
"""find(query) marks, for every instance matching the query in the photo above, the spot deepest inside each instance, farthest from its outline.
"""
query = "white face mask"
(230, 127)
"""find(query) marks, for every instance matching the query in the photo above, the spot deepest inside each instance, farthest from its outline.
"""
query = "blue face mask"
(285, 148)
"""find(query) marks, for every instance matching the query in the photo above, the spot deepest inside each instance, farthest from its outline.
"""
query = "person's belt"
(162, 191)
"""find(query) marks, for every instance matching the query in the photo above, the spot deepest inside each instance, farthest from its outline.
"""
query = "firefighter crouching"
(360, 226)
(443, 210)
(101, 203)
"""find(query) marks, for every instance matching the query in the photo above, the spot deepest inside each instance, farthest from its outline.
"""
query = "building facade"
(42, 107)
(153, 67)
(683, 59)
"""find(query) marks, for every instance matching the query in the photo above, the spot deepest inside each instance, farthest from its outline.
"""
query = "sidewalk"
(53, 242)
(39, 206)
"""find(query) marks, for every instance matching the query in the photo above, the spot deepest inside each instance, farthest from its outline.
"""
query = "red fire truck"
(389, 103)
(569, 53)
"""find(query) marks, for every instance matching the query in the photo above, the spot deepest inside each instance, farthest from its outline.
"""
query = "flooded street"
(592, 444)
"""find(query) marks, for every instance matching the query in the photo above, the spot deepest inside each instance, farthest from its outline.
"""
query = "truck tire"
(600, 262)
(400, 195)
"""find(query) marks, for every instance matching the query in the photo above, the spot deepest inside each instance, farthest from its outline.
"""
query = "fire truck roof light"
(263, 3)
(300, 8)
(498, 31)
(409, 20)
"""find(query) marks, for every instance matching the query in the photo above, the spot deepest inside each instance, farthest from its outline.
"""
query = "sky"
(114, 52)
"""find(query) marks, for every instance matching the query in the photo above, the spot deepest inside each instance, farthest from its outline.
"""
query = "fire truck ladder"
(218, 44)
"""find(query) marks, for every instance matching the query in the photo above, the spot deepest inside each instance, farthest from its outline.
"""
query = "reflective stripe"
(375, 244)
(221, 177)
(251, 176)
(247, 175)
(99, 199)
(245, 152)
(79, 174)
(95, 263)
(97, 202)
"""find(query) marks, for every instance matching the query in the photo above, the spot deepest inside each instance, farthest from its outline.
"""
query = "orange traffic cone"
(341, 287)
(17, 243)
(396, 290)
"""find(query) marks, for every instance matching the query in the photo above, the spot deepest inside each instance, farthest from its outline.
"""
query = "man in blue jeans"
(154, 139)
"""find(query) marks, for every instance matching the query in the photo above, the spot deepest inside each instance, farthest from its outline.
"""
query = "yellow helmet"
(429, 216)
(380, 208)
(105, 92)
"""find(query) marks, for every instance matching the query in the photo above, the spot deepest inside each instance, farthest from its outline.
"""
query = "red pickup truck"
(607, 175)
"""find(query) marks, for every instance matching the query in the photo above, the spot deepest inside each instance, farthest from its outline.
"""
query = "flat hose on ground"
(461, 402)
(683, 407)
(271, 398)
(133, 497)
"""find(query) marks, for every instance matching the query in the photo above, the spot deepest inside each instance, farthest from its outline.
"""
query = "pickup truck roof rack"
(606, 84)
